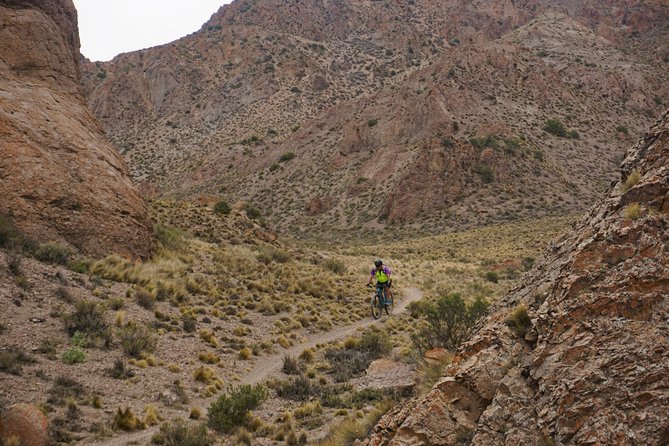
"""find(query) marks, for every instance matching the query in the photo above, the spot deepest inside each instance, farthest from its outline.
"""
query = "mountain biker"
(382, 275)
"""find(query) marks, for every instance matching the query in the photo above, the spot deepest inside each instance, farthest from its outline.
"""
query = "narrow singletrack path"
(271, 365)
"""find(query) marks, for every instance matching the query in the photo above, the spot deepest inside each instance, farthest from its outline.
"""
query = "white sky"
(108, 28)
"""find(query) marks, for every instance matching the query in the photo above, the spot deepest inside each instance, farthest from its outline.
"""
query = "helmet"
(378, 263)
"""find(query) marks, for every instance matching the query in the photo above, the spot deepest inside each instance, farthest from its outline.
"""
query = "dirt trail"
(271, 365)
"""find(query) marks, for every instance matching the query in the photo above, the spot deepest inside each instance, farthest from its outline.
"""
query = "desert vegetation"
(220, 296)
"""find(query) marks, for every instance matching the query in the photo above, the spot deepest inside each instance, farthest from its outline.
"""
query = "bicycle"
(381, 301)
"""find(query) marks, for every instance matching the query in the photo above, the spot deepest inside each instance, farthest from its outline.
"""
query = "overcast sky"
(108, 28)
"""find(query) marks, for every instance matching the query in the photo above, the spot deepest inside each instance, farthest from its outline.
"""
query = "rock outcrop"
(593, 365)
(60, 179)
(25, 423)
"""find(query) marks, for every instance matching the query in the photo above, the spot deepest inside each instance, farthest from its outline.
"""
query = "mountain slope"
(590, 366)
(379, 105)
(61, 179)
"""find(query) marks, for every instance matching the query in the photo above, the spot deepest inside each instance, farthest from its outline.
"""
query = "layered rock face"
(61, 179)
(593, 367)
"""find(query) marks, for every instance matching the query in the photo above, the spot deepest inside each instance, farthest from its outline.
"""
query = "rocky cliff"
(61, 179)
(591, 365)
(426, 113)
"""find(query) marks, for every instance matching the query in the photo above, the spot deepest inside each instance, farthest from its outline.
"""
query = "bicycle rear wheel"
(376, 306)
(390, 305)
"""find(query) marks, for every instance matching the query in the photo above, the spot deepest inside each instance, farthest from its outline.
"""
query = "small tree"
(449, 322)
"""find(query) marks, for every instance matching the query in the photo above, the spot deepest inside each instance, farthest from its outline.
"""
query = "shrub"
(486, 173)
(53, 253)
(298, 388)
(492, 276)
(336, 266)
(286, 157)
(555, 127)
(447, 142)
(481, 142)
(13, 359)
(290, 365)
(528, 263)
(232, 409)
(88, 318)
(170, 238)
(126, 420)
(267, 254)
(222, 207)
(632, 179)
(352, 361)
(245, 353)
(119, 370)
(252, 212)
(449, 322)
(144, 298)
(179, 432)
(372, 122)
(189, 323)
(9, 236)
(633, 211)
(622, 129)
(136, 340)
(73, 356)
(14, 263)
(519, 321)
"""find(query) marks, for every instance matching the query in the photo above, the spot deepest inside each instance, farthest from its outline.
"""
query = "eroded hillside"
(427, 114)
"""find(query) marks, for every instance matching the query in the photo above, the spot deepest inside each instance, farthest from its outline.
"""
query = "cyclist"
(383, 280)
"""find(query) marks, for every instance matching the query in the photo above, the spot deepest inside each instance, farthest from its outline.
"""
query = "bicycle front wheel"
(376, 306)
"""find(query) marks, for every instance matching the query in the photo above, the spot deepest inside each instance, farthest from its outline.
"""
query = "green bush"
(286, 157)
(298, 388)
(622, 129)
(555, 127)
(486, 173)
(448, 322)
(88, 318)
(232, 409)
(179, 432)
(492, 276)
(447, 142)
(136, 340)
(170, 238)
(372, 122)
(222, 207)
(252, 212)
(481, 142)
(73, 356)
(53, 253)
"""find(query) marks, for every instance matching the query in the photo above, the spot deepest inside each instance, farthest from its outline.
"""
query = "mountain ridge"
(408, 85)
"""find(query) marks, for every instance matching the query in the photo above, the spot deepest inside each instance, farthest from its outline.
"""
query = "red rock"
(26, 422)
(61, 179)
